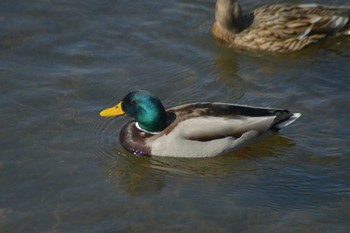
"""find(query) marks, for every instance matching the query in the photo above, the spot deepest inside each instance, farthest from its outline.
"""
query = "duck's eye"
(132, 102)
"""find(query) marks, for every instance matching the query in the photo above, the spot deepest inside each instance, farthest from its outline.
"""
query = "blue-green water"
(62, 168)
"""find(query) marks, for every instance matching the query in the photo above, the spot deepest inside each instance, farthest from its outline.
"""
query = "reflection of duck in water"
(228, 67)
(279, 27)
(139, 175)
(133, 173)
(193, 130)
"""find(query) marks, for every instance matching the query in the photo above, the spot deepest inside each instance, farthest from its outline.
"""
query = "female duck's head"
(228, 15)
(145, 107)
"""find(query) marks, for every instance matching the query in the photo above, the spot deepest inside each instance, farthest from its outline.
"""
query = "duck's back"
(291, 27)
(209, 129)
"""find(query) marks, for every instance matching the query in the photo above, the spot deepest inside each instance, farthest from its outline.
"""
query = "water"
(63, 169)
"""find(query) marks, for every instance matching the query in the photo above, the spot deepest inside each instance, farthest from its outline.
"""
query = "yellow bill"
(113, 111)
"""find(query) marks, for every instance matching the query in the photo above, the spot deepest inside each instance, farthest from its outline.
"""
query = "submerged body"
(279, 28)
(196, 130)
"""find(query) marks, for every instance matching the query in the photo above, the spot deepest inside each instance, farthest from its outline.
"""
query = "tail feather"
(286, 122)
(345, 31)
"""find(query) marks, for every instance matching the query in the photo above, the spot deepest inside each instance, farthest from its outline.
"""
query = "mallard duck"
(279, 28)
(193, 130)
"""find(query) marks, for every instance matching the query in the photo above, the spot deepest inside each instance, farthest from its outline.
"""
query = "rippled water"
(62, 168)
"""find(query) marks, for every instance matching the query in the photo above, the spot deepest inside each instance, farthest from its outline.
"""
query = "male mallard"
(280, 27)
(192, 130)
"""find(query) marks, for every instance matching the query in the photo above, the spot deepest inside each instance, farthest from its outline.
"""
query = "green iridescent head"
(142, 105)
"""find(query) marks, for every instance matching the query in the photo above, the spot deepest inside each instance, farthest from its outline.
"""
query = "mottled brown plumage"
(279, 28)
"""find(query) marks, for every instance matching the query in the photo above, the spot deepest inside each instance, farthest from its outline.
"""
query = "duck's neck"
(228, 15)
(152, 121)
(146, 131)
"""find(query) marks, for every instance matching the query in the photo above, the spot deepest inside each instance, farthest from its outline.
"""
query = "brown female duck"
(279, 28)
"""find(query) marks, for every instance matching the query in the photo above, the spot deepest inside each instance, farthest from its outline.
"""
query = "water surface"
(63, 169)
